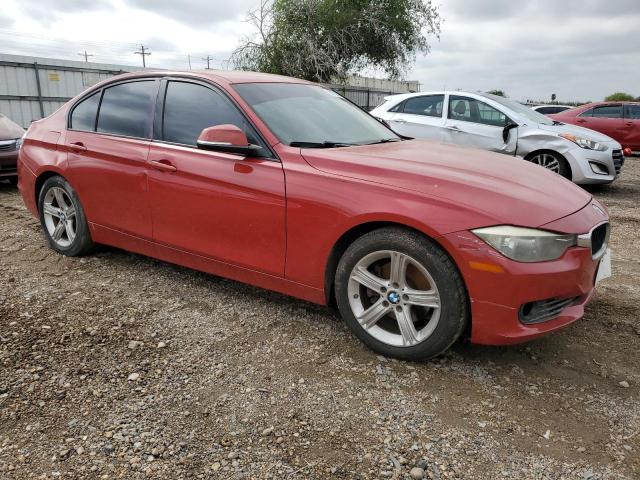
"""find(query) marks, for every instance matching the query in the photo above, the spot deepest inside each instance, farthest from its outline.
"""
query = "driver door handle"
(399, 121)
(454, 128)
(77, 147)
(163, 165)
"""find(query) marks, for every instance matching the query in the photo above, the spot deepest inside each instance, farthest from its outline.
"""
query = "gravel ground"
(120, 366)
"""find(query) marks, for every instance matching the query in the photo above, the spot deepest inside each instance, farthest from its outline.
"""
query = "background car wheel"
(551, 161)
(13, 181)
(401, 294)
(62, 218)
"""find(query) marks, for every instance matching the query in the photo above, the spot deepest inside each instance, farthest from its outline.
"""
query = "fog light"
(598, 168)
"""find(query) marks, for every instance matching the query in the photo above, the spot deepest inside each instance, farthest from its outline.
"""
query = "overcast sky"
(578, 49)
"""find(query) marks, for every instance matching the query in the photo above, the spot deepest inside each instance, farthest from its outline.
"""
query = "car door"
(607, 119)
(108, 138)
(632, 126)
(217, 205)
(473, 123)
(419, 117)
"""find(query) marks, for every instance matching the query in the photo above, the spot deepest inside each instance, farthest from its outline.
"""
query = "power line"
(85, 55)
(144, 52)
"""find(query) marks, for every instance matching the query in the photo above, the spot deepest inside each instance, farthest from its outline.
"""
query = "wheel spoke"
(371, 315)
(70, 212)
(368, 279)
(407, 328)
(51, 210)
(398, 268)
(58, 231)
(57, 192)
(422, 298)
(71, 234)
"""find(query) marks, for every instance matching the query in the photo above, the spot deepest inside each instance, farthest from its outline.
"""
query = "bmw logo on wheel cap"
(393, 297)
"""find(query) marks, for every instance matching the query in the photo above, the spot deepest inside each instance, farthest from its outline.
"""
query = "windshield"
(312, 116)
(523, 110)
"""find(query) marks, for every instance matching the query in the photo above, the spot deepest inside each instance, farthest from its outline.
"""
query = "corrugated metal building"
(32, 87)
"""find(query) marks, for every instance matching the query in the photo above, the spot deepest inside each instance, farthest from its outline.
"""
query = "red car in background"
(286, 185)
(618, 120)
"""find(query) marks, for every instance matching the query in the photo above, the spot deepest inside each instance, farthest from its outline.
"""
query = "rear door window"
(126, 109)
(189, 108)
(428, 105)
(632, 112)
(604, 111)
(84, 114)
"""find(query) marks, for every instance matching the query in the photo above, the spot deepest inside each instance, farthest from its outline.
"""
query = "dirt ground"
(120, 366)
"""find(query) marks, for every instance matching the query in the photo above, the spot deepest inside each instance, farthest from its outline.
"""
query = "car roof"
(218, 76)
(598, 104)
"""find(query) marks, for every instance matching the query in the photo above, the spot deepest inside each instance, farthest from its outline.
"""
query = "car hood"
(9, 130)
(577, 131)
(501, 189)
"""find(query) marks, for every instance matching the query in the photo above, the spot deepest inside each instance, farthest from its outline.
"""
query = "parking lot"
(120, 366)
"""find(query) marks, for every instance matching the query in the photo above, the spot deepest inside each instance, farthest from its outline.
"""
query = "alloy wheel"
(394, 298)
(60, 217)
(547, 161)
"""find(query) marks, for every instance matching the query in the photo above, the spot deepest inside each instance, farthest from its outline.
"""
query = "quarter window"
(428, 105)
(472, 110)
(126, 109)
(84, 114)
(190, 108)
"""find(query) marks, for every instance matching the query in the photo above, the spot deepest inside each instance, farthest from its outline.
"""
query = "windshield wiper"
(320, 144)
(385, 140)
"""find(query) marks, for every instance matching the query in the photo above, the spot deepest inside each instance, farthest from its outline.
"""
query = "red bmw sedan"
(284, 184)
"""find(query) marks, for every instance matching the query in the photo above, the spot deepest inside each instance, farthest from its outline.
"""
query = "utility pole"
(144, 51)
(208, 59)
(85, 55)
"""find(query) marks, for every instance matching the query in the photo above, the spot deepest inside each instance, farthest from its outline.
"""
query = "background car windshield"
(520, 109)
(308, 113)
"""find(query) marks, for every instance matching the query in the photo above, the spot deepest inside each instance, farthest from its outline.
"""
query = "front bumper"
(499, 287)
(584, 161)
(8, 163)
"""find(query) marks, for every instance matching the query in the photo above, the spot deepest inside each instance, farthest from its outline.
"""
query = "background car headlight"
(20, 141)
(584, 142)
(526, 244)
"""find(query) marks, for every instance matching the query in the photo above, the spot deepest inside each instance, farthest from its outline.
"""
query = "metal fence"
(32, 88)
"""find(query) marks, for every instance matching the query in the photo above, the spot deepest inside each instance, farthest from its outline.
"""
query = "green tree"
(320, 40)
(499, 93)
(619, 97)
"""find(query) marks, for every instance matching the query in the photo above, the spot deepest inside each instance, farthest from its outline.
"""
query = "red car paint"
(623, 127)
(282, 224)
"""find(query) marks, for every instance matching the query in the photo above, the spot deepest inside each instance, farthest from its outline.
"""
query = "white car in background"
(551, 109)
(489, 122)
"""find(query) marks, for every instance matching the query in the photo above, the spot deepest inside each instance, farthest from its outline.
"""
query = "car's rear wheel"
(401, 294)
(552, 161)
(62, 218)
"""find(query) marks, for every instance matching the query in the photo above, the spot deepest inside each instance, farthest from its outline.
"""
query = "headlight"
(526, 244)
(20, 141)
(584, 142)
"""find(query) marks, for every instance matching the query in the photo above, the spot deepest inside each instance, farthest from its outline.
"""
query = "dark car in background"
(618, 120)
(10, 138)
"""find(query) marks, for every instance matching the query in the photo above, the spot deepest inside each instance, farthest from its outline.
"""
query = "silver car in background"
(489, 122)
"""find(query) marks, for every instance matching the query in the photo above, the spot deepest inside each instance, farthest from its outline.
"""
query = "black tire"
(13, 181)
(454, 312)
(82, 244)
(564, 169)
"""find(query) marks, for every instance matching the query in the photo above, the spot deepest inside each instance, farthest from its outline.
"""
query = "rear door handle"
(399, 121)
(581, 120)
(163, 165)
(629, 123)
(77, 147)
(454, 128)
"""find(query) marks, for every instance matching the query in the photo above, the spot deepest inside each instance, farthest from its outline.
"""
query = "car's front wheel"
(401, 294)
(62, 218)
(551, 161)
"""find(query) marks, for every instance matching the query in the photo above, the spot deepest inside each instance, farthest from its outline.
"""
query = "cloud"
(47, 11)
(196, 12)
(5, 21)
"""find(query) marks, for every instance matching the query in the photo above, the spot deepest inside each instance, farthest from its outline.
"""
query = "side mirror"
(505, 130)
(229, 139)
